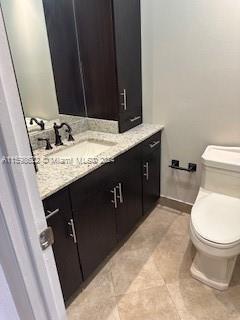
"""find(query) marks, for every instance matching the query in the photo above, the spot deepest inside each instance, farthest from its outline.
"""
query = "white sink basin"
(84, 149)
(222, 157)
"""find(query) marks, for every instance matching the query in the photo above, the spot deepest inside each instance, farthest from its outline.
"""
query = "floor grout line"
(175, 306)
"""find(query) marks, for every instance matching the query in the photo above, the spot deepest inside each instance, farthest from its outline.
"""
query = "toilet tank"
(221, 170)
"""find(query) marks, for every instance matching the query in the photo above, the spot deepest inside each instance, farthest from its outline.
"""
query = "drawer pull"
(154, 144)
(114, 201)
(124, 104)
(146, 167)
(120, 197)
(52, 213)
(135, 119)
(73, 234)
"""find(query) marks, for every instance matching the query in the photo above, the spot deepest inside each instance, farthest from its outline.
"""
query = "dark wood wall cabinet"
(93, 214)
(97, 45)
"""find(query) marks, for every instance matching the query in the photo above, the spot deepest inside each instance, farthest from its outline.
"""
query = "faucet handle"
(48, 144)
(70, 137)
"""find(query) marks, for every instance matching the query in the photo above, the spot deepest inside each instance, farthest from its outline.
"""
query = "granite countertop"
(54, 175)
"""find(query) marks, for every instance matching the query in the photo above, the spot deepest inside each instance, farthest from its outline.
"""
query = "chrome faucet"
(58, 138)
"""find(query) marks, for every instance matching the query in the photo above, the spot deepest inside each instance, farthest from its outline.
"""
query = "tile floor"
(149, 279)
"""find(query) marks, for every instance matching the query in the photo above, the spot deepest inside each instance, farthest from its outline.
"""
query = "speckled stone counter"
(54, 175)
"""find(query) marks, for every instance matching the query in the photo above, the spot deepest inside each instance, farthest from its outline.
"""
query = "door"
(60, 22)
(127, 19)
(30, 272)
(94, 214)
(151, 172)
(129, 191)
(59, 217)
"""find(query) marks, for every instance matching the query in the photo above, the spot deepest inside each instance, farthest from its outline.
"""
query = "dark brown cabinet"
(90, 216)
(151, 172)
(128, 191)
(109, 34)
(59, 217)
(127, 22)
(96, 55)
(65, 55)
(94, 217)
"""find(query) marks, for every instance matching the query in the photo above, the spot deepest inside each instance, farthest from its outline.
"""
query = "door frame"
(31, 273)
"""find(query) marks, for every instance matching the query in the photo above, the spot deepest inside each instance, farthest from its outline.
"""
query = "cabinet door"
(127, 19)
(129, 191)
(64, 50)
(151, 172)
(96, 39)
(58, 208)
(94, 214)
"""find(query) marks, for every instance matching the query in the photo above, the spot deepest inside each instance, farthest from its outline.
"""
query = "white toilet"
(215, 217)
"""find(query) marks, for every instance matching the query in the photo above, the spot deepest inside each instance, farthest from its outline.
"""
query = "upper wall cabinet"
(109, 33)
(63, 42)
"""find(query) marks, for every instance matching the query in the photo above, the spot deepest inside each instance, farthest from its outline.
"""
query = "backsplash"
(78, 125)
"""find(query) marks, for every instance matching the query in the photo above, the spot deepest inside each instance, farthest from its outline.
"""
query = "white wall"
(191, 80)
(26, 28)
(7, 306)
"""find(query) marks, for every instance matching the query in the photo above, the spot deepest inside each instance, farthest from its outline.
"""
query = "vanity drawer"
(153, 143)
(129, 121)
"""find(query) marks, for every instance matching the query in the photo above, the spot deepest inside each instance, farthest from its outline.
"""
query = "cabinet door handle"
(73, 234)
(135, 119)
(114, 201)
(52, 213)
(120, 197)
(146, 167)
(124, 103)
(154, 144)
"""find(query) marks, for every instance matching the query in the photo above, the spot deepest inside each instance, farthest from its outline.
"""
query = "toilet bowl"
(215, 232)
(215, 220)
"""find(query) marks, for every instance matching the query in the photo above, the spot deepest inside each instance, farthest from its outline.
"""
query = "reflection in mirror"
(29, 44)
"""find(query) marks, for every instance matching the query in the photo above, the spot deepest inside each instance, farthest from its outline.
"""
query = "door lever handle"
(52, 213)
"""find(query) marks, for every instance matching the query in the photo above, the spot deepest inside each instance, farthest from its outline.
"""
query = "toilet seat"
(212, 244)
(215, 219)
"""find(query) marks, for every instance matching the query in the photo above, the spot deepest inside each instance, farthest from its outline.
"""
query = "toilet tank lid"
(216, 217)
(227, 158)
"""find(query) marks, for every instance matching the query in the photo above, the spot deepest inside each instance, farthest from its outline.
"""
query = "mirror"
(42, 89)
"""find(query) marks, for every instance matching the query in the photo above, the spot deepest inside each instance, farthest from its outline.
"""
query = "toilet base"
(213, 271)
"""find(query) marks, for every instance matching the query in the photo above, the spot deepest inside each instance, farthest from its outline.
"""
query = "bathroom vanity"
(92, 207)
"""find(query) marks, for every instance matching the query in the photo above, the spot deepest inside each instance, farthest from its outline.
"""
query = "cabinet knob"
(114, 201)
(146, 173)
(124, 103)
(73, 234)
(135, 119)
(154, 144)
(120, 196)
